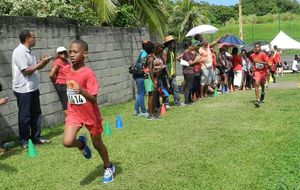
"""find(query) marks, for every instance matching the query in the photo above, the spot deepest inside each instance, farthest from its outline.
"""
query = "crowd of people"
(206, 69)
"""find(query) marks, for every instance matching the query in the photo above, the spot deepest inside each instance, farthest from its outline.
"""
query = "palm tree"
(105, 8)
(152, 13)
(188, 15)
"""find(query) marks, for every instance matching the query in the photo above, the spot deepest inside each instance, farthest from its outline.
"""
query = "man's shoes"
(24, 144)
(146, 114)
(178, 104)
(109, 174)
(168, 107)
(86, 151)
(262, 97)
(40, 140)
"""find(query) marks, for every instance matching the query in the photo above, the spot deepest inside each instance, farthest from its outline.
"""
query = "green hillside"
(263, 32)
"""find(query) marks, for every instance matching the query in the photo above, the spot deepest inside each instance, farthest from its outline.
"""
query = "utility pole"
(240, 20)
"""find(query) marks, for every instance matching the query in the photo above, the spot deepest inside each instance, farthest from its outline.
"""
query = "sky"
(223, 2)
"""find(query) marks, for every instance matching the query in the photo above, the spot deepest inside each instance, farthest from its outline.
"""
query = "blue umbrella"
(232, 40)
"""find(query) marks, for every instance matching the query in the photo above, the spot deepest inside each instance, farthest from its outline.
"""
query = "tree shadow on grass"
(93, 175)
(7, 169)
(11, 152)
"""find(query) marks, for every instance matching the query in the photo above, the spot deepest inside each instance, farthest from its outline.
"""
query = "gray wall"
(111, 51)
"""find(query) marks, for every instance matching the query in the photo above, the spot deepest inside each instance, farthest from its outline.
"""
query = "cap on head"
(61, 49)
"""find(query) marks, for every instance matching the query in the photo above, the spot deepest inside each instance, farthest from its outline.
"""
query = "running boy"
(259, 62)
(82, 89)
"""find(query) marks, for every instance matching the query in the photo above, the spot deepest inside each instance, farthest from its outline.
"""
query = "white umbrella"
(202, 29)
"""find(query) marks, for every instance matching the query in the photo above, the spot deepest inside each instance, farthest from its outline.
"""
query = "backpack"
(137, 67)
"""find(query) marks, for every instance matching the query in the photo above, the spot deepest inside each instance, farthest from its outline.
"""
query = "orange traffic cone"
(163, 109)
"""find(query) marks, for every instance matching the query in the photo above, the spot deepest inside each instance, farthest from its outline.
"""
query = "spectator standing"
(169, 59)
(139, 106)
(295, 64)
(237, 69)
(57, 75)
(25, 87)
(2, 102)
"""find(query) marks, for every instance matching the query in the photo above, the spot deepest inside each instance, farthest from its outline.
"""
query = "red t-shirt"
(261, 56)
(273, 63)
(80, 109)
(60, 77)
(237, 63)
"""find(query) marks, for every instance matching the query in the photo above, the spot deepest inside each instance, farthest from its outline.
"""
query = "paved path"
(285, 85)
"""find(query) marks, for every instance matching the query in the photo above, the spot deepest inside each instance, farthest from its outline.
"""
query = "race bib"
(75, 98)
(259, 66)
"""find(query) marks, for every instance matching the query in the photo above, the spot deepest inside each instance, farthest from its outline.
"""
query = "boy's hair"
(82, 44)
(235, 51)
(24, 34)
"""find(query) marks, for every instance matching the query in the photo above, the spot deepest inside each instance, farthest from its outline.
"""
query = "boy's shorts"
(260, 76)
(94, 129)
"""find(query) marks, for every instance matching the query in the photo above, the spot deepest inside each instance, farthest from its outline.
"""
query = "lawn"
(218, 143)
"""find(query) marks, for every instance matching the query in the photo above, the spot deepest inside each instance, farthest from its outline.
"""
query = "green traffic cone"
(215, 92)
(107, 130)
(31, 151)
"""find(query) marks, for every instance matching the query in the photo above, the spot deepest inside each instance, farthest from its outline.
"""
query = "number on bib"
(76, 99)
(259, 66)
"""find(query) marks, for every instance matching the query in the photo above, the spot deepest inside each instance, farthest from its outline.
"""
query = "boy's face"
(77, 54)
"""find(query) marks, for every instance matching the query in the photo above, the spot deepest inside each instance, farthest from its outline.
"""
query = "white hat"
(61, 49)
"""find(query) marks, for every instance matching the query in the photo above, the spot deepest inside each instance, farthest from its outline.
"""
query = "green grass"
(218, 143)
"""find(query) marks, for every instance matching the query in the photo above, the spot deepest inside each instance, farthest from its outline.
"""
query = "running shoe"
(257, 103)
(109, 174)
(86, 151)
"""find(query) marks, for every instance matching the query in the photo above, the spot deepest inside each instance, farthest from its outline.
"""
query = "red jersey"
(261, 56)
(273, 63)
(277, 57)
(60, 77)
(237, 63)
(80, 109)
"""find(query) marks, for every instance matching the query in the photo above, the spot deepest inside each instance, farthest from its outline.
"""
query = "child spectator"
(57, 75)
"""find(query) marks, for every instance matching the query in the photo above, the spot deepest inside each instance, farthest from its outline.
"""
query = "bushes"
(76, 9)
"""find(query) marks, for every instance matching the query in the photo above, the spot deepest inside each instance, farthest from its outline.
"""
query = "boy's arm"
(88, 96)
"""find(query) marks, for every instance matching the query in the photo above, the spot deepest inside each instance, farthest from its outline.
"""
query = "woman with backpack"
(138, 76)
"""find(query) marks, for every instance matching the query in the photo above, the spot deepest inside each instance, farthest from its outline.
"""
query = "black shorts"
(61, 90)
(221, 70)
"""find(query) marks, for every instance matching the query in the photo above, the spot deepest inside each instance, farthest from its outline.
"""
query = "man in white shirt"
(25, 87)
(295, 64)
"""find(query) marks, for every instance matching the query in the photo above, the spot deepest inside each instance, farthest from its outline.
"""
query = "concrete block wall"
(111, 51)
